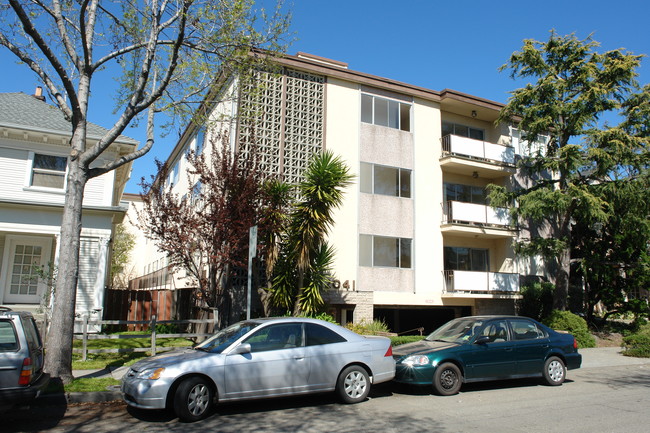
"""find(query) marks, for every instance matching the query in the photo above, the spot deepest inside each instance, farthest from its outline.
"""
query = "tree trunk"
(297, 306)
(58, 355)
(265, 299)
(561, 294)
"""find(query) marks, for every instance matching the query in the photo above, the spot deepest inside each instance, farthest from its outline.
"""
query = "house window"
(380, 179)
(48, 171)
(385, 112)
(383, 251)
(462, 131)
(465, 193)
(466, 259)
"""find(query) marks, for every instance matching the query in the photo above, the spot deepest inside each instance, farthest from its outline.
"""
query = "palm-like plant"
(304, 268)
(272, 225)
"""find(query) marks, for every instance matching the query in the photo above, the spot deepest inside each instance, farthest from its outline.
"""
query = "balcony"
(468, 156)
(475, 219)
(481, 283)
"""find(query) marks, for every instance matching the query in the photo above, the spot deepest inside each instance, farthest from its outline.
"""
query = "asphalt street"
(611, 393)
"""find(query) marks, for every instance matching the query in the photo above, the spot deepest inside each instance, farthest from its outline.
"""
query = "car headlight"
(415, 360)
(151, 373)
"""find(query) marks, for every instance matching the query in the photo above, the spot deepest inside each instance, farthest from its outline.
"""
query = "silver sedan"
(261, 358)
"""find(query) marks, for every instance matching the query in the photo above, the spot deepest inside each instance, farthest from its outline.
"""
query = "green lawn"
(104, 360)
(100, 361)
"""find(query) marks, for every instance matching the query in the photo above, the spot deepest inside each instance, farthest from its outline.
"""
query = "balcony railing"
(471, 148)
(156, 280)
(481, 282)
(456, 211)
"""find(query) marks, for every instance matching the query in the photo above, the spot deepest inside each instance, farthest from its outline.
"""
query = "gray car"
(21, 359)
(261, 358)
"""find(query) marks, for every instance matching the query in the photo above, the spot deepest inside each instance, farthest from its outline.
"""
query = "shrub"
(376, 327)
(403, 339)
(536, 301)
(167, 328)
(576, 325)
(638, 344)
(322, 316)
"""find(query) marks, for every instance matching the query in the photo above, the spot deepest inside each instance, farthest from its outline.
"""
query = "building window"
(385, 112)
(462, 131)
(466, 259)
(174, 174)
(48, 171)
(383, 251)
(199, 140)
(465, 193)
(527, 148)
(195, 193)
(380, 179)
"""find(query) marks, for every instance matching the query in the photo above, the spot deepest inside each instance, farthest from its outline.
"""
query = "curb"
(93, 397)
(61, 399)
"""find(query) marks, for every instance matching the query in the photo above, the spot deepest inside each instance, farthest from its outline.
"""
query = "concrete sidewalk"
(591, 358)
(114, 372)
(608, 357)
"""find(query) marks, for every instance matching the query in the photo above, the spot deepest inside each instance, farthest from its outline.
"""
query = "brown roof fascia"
(470, 99)
(302, 54)
(303, 63)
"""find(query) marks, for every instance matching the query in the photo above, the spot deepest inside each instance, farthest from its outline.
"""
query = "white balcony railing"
(476, 214)
(469, 147)
(481, 282)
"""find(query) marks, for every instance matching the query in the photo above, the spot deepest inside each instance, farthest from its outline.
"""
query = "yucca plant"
(303, 268)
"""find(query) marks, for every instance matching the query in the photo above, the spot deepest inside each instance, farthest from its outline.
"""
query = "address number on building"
(347, 284)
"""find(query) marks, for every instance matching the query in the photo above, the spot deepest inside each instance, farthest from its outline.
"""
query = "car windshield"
(224, 338)
(456, 331)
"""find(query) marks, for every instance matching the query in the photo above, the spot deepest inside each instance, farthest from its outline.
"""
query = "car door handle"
(298, 358)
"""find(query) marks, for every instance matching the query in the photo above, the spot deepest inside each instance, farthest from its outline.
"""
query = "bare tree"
(168, 52)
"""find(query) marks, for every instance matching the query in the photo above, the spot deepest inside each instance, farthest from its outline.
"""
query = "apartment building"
(417, 244)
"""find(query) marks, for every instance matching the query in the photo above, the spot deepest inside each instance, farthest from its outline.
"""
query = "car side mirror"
(242, 349)
(482, 339)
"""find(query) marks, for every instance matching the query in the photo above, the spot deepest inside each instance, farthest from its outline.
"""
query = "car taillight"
(389, 352)
(26, 372)
(575, 343)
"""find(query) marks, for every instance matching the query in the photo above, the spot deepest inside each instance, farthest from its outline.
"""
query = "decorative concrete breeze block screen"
(282, 115)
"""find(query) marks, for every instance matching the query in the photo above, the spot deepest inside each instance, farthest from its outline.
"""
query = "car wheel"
(554, 371)
(353, 384)
(447, 379)
(193, 399)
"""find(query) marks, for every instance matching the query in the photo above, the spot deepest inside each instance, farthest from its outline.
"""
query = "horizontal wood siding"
(15, 169)
(13, 166)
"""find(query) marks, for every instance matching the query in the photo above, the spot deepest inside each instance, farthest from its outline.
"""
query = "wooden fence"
(148, 324)
(139, 306)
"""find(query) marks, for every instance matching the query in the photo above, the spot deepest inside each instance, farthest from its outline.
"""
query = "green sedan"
(480, 348)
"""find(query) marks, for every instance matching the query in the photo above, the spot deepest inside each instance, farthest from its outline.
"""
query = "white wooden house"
(34, 152)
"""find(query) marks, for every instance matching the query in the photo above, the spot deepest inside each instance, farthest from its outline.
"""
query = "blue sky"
(456, 44)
